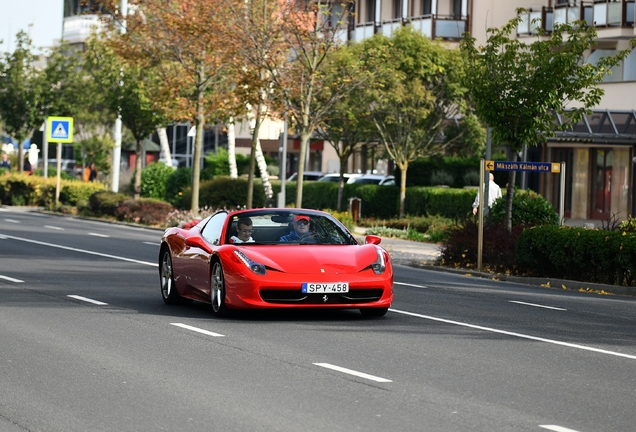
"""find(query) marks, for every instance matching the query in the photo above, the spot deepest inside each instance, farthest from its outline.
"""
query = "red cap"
(301, 217)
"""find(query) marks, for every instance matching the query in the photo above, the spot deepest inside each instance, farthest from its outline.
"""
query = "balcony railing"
(599, 13)
(432, 26)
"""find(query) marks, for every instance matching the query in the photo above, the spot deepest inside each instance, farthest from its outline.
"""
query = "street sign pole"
(59, 130)
(562, 196)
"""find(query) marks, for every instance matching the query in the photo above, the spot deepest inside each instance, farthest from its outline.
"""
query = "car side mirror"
(372, 239)
(198, 242)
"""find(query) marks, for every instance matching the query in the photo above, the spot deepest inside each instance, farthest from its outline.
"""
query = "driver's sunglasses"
(302, 222)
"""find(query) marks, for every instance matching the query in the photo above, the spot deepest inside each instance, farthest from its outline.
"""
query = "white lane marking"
(352, 372)
(97, 235)
(80, 250)
(54, 227)
(151, 243)
(537, 305)
(198, 330)
(12, 220)
(10, 279)
(556, 428)
(519, 335)
(410, 285)
(97, 302)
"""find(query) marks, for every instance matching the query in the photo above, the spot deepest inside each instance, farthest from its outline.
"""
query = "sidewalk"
(424, 255)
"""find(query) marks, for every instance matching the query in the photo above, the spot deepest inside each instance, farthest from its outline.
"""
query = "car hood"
(311, 259)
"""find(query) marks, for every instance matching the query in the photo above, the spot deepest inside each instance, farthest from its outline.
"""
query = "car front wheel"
(217, 291)
(166, 278)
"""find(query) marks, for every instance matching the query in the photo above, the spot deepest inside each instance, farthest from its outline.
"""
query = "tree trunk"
(404, 166)
(341, 182)
(305, 136)
(138, 165)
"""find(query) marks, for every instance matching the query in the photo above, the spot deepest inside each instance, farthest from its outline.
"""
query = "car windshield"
(287, 227)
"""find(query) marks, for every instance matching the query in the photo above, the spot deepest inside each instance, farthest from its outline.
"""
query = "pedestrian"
(90, 172)
(494, 192)
(6, 163)
(27, 166)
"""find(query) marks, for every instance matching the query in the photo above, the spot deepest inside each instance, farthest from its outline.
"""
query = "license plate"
(320, 288)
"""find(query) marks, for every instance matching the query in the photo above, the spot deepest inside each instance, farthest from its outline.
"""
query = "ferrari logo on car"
(325, 298)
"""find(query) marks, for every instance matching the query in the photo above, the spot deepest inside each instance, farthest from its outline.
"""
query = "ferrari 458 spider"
(274, 258)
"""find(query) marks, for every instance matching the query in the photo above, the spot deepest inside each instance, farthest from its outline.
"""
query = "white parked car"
(376, 179)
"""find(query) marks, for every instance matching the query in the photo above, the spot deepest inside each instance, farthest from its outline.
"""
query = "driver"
(300, 229)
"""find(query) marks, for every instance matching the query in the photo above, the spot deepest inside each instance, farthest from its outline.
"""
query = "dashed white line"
(151, 243)
(98, 235)
(54, 227)
(353, 372)
(12, 221)
(85, 299)
(198, 330)
(2, 236)
(537, 305)
(556, 428)
(519, 335)
(410, 285)
(10, 279)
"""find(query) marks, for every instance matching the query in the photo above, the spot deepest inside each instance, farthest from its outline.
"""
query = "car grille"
(297, 297)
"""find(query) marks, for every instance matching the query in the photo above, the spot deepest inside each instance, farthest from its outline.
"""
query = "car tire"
(217, 290)
(374, 311)
(166, 279)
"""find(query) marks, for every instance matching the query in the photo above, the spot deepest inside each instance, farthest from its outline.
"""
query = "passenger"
(243, 231)
(300, 229)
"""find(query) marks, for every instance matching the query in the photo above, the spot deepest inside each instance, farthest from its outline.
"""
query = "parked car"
(321, 266)
(377, 179)
(307, 175)
(67, 165)
(335, 177)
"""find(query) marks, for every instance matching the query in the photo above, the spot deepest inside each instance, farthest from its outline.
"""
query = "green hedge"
(31, 190)
(580, 254)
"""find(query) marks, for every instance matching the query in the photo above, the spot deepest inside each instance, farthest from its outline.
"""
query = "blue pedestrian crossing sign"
(59, 129)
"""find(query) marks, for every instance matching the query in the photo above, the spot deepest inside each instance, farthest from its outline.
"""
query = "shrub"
(628, 225)
(105, 202)
(498, 252)
(224, 192)
(578, 254)
(471, 178)
(145, 211)
(528, 209)
(441, 178)
(179, 181)
(154, 179)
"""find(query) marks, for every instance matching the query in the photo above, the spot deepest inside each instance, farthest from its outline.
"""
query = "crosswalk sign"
(59, 129)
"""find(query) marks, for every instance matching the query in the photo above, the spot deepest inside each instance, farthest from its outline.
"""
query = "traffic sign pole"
(480, 230)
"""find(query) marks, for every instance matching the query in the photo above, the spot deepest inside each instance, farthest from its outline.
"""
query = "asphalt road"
(86, 344)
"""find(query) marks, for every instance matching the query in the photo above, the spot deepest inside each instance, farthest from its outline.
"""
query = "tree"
(416, 97)
(129, 88)
(20, 93)
(518, 88)
(348, 122)
(255, 28)
(309, 33)
(184, 41)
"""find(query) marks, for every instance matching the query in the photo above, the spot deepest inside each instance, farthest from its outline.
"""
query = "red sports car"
(275, 258)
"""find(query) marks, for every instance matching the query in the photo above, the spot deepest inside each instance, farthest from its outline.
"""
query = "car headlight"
(252, 265)
(380, 264)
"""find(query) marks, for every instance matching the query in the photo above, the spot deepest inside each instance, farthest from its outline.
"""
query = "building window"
(370, 10)
(397, 8)
(427, 7)
(457, 9)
